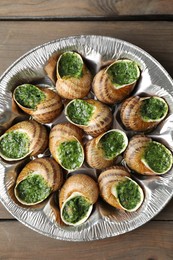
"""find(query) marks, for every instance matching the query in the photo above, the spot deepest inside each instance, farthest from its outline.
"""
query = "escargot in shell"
(119, 190)
(42, 103)
(115, 82)
(65, 145)
(148, 157)
(23, 139)
(73, 77)
(91, 115)
(143, 113)
(76, 199)
(37, 180)
(102, 150)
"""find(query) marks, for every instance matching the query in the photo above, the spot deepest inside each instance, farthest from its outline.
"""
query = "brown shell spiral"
(48, 109)
(131, 117)
(79, 183)
(107, 179)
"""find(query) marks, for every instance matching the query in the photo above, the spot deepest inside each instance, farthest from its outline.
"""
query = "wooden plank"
(19, 37)
(80, 8)
(151, 241)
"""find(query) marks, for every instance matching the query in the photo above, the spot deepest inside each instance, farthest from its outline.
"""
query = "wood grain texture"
(148, 242)
(83, 8)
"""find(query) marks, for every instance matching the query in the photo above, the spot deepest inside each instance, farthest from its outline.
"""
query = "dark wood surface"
(155, 35)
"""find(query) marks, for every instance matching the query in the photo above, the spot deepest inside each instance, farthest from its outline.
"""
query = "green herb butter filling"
(70, 154)
(157, 157)
(128, 194)
(33, 189)
(14, 145)
(70, 65)
(123, 72)
(80, 112)
(29, 96)
(75, 209)
(112, 143)
(153, 109)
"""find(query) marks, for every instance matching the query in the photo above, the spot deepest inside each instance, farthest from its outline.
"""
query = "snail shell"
(99, 122)
(44, 167)
(46, 111)
(37, 134)
(108, 181)
(65, 132)
(130, 113)
(108, 92)
(95, 155)
(134, 155)
(71, 87)
(78, 185)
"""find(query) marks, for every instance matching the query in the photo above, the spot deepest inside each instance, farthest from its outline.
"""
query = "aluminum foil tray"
(105, 221)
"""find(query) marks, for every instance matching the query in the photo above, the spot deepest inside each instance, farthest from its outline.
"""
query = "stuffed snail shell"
(42, 103)
(37, 180)
(90, 115)
(65, 146)
(116, 82)
(102, 151)
(148, 157)
(76, 199)
(23, 139)
(143, 113)
(73, 77)
(119, 190)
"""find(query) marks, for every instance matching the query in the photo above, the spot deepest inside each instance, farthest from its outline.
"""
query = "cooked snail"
(119, 190)
(42, 103)
(65, 146)
(23, 139)
(37, 180)
(76, 199)
(90, 115)
(148, 157)
(73, 77)
(143, 113)
(102, 150)
(116, 82)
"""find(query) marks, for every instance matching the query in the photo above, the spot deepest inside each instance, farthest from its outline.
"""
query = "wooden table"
(27, 24)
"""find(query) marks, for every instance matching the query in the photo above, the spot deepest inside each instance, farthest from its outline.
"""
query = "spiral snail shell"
(147, 157)
(65, 145)
(37, 180)
(115, 82)
(143, 113)
(90, 115)
(76, 199)
(73, 77)
(42, 103)
(23, 139)
(119, 190)
(102, 151)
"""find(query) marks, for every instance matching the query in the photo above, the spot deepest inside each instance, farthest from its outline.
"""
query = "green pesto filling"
(14, 144)
(158, 157)
(80, 112)
(123, 72)
(75, 209)
(153, 109)
(128, 194)
(112, 144)
(29, 96)
(70, 65)
(33, 189)
(70, 154)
